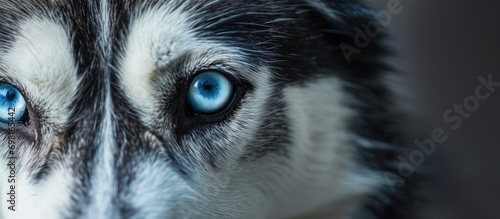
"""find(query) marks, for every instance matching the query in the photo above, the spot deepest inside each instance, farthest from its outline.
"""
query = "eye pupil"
(11, 95)
(210, 92)
(208, 87)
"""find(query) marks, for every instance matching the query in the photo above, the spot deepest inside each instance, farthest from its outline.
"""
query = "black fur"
(299, 39)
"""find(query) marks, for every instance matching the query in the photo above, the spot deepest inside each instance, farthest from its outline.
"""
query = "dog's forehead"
(68, 40)
(77, 62)
(97, 70)
(39, 61)
(57, 51)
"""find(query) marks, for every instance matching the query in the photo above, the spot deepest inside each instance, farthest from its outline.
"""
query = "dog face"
(185, 108)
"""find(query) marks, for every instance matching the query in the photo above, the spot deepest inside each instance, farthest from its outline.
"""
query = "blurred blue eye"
(210, 92)
(12, 104)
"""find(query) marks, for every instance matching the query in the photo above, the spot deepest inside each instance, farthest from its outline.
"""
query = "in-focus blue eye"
(12, 104)
(210, 92)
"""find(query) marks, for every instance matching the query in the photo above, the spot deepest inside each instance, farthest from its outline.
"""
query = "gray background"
(442, 48)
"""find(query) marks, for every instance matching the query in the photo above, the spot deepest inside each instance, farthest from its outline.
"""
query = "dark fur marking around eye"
(298, 42)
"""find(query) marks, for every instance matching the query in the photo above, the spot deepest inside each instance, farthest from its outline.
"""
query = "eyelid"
(191, 63)
(224, 70)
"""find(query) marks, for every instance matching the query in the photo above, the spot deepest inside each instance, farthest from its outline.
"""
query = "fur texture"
(110, 134)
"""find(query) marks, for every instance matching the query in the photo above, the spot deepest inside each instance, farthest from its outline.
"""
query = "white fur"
(42, 58)
(49, 199)
(154, 203)
(148, 47)
(104, 187)
(104, 182)
(105, 28)
(322, 151)
(319, 170)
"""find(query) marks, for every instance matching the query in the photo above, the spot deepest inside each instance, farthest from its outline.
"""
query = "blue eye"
(210, 92)
(12, 104)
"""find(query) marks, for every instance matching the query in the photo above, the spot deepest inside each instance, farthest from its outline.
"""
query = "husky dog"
(194, 109)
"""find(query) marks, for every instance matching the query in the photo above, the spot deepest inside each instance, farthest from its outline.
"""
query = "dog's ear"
(352, 27)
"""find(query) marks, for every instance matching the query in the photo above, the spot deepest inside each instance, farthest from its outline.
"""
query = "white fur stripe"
(105, 23)
(103, 183)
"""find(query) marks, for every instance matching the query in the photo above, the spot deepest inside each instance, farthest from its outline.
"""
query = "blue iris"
(210, 92)
(12, 104)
